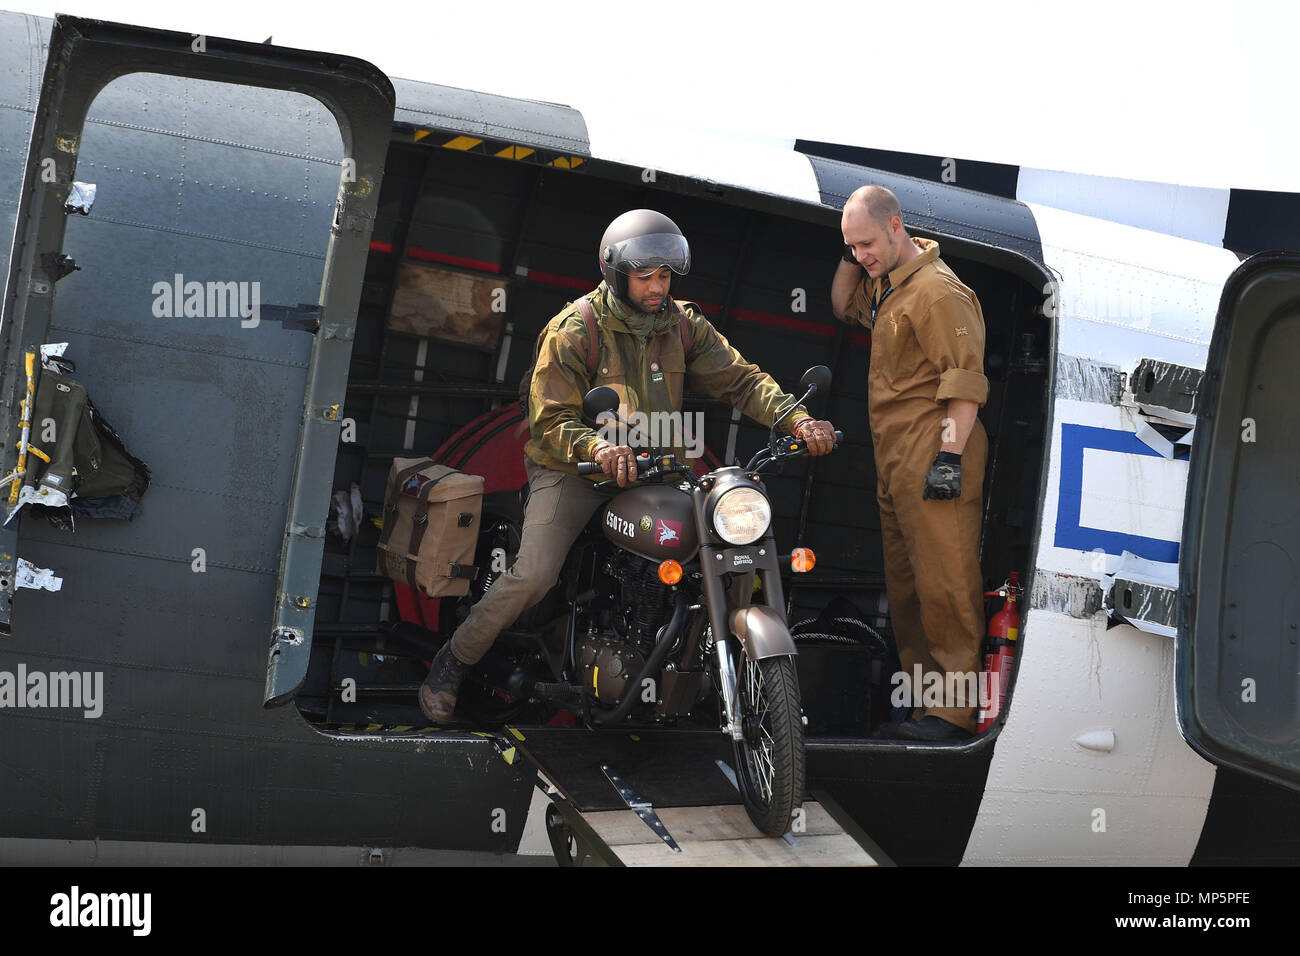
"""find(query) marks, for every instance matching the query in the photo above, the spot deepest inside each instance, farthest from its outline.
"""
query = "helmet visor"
(647, 253)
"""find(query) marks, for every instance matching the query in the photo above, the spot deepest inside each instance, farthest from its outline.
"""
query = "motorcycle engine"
(644, 600)
(607, 666)
(638, 606)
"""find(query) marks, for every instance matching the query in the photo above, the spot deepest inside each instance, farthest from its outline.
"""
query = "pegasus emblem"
(668, 533)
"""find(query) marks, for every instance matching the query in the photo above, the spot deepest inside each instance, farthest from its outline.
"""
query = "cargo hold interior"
(459, 235)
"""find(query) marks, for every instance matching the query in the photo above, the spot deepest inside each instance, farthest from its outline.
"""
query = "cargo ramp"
(662, 798)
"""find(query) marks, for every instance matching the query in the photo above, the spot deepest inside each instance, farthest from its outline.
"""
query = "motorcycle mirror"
(819, 378)
(818, 375)
(600, 399)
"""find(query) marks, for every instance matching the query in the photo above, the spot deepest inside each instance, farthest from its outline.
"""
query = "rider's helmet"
(641, 240)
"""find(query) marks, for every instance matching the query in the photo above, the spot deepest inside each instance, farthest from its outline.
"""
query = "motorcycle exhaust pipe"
(656, 658)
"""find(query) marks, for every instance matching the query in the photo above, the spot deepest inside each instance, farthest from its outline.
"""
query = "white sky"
(1197, 93)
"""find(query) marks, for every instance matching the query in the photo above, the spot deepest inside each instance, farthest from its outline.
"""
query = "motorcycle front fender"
(761, 632)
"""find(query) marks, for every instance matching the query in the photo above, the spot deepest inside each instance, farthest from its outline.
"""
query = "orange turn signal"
(802, 560)
(670, 572)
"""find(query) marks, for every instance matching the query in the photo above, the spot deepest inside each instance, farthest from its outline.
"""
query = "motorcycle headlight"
(742, 515)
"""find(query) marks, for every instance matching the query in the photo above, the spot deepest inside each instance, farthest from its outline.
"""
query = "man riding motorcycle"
(645, 355)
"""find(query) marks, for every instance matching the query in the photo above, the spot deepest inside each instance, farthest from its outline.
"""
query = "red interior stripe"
(569, 282)
(552, 278)
(479, 264)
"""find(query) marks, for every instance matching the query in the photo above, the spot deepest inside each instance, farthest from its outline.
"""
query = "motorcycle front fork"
(727, 686)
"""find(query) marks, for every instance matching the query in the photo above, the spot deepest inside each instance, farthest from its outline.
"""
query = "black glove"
(848, 255)
(944, 479)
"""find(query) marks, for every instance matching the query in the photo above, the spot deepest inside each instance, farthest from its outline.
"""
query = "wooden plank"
(828, 850)
(727, 822)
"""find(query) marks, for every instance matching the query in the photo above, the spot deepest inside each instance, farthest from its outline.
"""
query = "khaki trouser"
(559, 507)
(932, 574)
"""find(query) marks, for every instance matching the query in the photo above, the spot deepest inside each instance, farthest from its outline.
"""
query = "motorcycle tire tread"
(781, 683)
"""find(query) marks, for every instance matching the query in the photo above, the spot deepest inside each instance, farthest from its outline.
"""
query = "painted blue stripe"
(1071, 534)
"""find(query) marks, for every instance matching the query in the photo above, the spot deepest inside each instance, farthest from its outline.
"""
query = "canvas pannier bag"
(431, 521)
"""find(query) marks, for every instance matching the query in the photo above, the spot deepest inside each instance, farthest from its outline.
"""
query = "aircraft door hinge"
(1142, 593)
(303, 317)
(58, 265)
(1164, 391)
(345, 220)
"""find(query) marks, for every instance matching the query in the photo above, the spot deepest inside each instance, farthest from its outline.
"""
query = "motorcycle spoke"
(766, 770)
(770, 753)
(756, 706)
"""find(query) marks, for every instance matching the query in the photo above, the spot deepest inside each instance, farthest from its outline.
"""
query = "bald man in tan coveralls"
(925, 384)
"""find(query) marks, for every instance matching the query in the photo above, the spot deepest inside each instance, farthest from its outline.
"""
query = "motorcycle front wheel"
(770, 753)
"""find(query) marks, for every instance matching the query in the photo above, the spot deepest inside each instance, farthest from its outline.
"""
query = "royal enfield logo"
(646, 523)
(618, 524)
(739, 559)
(669, 533)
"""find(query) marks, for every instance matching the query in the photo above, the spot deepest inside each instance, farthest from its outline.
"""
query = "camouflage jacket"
(649, 372)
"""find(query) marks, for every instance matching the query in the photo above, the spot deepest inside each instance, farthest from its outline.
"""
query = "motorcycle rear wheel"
(770, 755)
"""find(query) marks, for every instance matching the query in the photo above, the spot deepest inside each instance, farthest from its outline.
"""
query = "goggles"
(642, 254)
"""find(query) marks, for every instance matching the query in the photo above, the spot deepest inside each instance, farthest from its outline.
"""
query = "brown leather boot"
(439, 690)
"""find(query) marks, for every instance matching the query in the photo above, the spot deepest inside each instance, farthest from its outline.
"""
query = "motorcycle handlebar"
(643, 462)
(592, 468)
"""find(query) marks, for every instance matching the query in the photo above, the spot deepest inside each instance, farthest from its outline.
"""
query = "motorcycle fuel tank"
(654, 521)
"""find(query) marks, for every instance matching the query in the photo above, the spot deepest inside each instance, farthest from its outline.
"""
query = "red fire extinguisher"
(1000, 651)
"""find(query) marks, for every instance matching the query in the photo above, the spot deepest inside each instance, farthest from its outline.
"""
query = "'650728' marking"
(618, 524)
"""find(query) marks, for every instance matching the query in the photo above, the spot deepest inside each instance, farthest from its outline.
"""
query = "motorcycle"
(654, 612)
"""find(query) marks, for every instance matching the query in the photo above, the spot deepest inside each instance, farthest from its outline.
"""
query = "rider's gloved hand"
(818, 436)
(944, 478)
(617, 462)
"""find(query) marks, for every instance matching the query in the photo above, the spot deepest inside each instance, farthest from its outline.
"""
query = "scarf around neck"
(642, 324)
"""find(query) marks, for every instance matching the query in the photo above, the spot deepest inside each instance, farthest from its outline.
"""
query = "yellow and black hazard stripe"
(374, 728)
(493, 147)
(407, 730)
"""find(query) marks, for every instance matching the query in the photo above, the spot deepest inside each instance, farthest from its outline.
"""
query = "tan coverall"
(650, 371)
(927, 346)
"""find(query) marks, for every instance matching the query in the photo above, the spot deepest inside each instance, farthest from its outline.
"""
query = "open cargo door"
(1238, 647)
(84, 57)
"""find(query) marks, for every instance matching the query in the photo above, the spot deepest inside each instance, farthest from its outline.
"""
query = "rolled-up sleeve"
(952, 335)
